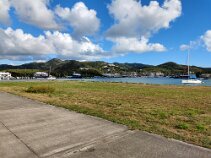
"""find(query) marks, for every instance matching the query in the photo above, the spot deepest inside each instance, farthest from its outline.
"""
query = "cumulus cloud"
(83, 20)
(4, 12)
(207, 40)
(67, 46)
(35, 12)
(137, 46)
(17, 45)
(131, 32)
(135, 22)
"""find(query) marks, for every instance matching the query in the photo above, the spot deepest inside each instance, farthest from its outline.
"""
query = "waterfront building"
(41, 75)
(5, 76)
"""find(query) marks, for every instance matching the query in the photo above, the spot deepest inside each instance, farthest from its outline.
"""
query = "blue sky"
(149, 32)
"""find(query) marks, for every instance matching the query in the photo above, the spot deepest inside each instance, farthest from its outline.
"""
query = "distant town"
(57, 68)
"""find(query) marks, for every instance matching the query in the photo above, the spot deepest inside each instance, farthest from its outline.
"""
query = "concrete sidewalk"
(30, 129)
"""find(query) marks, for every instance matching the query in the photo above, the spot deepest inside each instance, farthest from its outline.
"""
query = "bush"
(182, 126)
(40, 89)
(200, 127)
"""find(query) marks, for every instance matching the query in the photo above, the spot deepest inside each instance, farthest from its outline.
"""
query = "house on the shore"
(41, 75)
(206, 76)
(5, 76)
(154, 74)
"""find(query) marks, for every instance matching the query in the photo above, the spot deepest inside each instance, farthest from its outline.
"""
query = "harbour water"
(145, 80)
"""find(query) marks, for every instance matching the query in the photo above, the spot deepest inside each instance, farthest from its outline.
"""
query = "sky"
(145, 31)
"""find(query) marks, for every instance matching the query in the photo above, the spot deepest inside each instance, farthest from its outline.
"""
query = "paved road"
(30, 129)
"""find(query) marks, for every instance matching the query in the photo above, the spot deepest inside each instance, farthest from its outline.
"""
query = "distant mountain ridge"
(61, 68)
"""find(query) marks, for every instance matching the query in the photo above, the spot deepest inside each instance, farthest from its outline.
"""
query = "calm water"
(161, 81)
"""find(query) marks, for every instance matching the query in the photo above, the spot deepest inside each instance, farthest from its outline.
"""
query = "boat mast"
(188, 63)
(49, 72)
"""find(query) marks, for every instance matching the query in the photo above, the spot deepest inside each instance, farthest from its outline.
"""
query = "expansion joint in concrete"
(20, 139)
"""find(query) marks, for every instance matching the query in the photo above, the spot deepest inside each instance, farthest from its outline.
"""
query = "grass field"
(179, 112)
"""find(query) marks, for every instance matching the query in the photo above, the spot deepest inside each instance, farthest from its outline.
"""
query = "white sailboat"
(50, 77)
(189, 80)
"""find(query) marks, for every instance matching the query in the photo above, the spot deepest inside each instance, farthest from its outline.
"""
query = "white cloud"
(66, 46)
(83, 20)
(184, 47)
(192, 45)
(35, 12)
(17, 45)
(135, 20)
(207, 40)
(4, 12)
(137, 46)
(135, 23)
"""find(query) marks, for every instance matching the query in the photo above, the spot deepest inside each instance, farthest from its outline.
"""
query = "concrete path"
(30, 129)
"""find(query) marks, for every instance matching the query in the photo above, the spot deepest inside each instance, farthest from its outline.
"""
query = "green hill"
(62, 68)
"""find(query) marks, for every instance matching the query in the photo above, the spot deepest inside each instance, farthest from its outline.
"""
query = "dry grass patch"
(40, 89)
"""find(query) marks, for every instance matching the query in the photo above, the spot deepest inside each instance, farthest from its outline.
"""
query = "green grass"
(179, 112)
(182, 126)
(200, 127)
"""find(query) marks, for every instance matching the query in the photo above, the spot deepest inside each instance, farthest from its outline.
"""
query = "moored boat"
(190, 80)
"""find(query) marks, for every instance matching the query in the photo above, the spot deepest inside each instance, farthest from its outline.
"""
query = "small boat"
(190, 80)
(75, 76)
(51, 78)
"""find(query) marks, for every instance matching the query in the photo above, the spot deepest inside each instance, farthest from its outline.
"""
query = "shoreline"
(131, 80)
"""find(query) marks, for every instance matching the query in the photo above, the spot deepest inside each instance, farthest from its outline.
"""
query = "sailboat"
(50, 77)
(190, 80)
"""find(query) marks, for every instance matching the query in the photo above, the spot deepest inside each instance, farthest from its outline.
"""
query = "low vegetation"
(40, 89)
(179, 112)
(22, 72)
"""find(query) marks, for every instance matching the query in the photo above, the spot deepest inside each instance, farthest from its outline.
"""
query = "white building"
(41, 75)
(5, 75)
